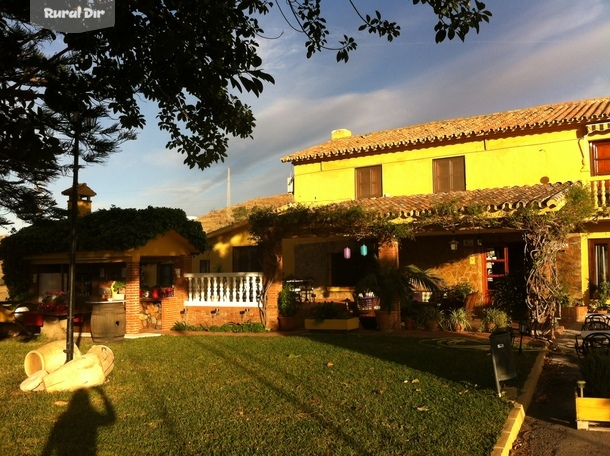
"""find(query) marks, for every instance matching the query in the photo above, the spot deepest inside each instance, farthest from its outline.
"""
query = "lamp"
(364, 250)
(177, 271)
(453, 244)
(523, 329)
(347, 253)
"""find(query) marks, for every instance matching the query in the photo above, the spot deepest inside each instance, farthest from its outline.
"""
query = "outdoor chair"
(595, 323)
(598, 342)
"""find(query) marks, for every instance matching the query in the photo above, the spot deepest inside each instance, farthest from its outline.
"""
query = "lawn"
(318, 394)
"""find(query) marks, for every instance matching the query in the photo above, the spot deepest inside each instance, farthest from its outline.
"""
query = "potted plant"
(430, 317)
(494, 320)
(407, 314)
(595, 369)
(331, 316)
(118, 289)
(394, 286)
(288, 306)
(457, 320)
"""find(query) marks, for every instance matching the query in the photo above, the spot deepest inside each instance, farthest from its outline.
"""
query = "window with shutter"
(449, 174)
(368, 182)
(600, 158)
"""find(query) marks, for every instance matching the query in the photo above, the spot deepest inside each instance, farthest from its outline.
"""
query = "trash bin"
(502, 357)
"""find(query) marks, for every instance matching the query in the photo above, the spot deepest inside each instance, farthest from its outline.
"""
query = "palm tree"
(394, 285)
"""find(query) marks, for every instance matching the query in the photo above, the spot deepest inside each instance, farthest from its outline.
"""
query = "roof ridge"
(441, 130)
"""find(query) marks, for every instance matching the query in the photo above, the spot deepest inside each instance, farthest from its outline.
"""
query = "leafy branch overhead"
(190, 59)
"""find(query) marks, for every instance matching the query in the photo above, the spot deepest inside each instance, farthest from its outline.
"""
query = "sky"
(533, 52)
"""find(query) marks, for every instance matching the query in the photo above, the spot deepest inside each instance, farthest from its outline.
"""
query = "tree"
(190, 58)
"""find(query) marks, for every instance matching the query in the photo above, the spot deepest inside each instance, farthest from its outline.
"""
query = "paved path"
(550, 425)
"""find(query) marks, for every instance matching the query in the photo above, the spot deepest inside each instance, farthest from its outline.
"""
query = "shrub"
(595, 369)
(494, 320)
(329, 310)
(287, 303)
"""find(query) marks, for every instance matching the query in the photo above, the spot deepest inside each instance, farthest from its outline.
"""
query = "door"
(495, 266)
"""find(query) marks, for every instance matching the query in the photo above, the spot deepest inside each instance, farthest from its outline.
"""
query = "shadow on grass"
(75, 432)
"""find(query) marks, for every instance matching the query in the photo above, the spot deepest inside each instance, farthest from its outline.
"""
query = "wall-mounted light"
(177, 272)
(479, 241)
(364, 250)
(347, 253)
(453, 244)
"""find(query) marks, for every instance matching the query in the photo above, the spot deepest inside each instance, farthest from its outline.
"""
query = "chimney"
(340, 133)
(84, 195)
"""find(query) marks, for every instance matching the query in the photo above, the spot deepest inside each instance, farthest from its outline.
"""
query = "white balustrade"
(233, 289)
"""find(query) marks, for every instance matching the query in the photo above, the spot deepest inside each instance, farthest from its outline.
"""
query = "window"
(598, 263)
(368, 182)
(449, 174)
(600, 158)
(165, 275)
(247, 259)
(204, 266)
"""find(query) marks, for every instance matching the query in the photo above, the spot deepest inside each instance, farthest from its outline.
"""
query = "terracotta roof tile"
(217, 219)
(492, 199)
(583, 111)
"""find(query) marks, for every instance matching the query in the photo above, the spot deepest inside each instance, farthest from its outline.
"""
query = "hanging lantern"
(364, 250)
(453, 244)
(347, 253)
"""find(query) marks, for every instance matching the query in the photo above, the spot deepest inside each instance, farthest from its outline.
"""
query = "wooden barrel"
(108, 322)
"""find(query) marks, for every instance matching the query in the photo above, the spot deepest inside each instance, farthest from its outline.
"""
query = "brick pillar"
(132, 298)
(274, 273)
(388, 255)
(172, 307)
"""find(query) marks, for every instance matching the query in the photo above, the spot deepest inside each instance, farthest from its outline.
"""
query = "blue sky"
(533, 52)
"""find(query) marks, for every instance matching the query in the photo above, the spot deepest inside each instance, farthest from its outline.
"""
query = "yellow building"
(498, 161)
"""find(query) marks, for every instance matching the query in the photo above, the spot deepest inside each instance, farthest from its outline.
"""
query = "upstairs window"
(368, 182)
(449, 174)
(600, 158)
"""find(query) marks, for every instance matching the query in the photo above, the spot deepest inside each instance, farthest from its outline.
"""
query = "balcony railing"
(233, 289)
(600, 190)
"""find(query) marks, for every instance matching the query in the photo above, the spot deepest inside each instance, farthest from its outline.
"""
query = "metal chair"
(598, 342)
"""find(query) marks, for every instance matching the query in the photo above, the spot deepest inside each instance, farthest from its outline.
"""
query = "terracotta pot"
(386, 321)
(409, 323)
(290, 323)
(431, 325)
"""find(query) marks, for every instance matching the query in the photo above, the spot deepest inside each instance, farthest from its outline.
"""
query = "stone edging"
(511, 428)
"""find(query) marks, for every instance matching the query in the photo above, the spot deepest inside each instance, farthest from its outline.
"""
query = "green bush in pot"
(395, 286)
(287, 303)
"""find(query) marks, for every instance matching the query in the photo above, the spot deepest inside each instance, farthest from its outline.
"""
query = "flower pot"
(431, 325)
(386, 321)
(409, 323)
(290, 323)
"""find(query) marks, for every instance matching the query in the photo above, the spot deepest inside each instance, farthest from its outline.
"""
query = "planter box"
(331, 324)
(591, 409)
(574, 314)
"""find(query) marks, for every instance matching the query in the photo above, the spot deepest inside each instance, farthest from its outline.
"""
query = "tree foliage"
(112, 229)
(189, 58)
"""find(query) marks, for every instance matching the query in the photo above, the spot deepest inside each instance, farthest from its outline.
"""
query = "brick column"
(388, 255)
(132, 298)
(171, 307)
(273, 273)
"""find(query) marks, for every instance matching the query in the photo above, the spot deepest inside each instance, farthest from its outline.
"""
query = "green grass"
(335, 394)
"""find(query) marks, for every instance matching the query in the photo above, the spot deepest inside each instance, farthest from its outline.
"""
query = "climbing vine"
(112, 229)
(544, 233)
